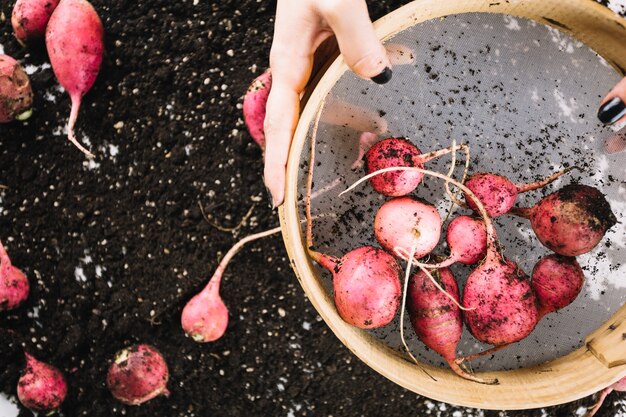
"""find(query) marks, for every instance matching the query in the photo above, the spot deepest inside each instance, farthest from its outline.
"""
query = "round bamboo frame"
(587, 370)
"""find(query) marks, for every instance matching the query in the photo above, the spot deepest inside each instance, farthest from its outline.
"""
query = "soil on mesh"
(115, 247)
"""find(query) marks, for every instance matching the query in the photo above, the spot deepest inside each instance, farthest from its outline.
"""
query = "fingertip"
(275, 183)
(384, 77)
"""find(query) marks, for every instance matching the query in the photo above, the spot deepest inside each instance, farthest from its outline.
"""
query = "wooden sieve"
(597, 359)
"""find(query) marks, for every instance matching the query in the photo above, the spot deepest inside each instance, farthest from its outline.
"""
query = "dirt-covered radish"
(41, 387)
(14, 285)
(618, 386)
(405, 222)
(498, 193)
(570, 221)
(398, 152)
(254, 106)
(436, 319)
(138, 374)
(74, 39)
(556, 281)
(16, 94)
(30, 18)
(366, 280)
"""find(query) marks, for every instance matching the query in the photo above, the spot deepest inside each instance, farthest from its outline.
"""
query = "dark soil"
(114, 249)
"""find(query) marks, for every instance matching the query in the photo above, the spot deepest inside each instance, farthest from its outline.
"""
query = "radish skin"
(254, 106)
(14, 286)
(41, 387)
(556, 281)
(138, 374)
(570, 221)
(16, 94)
(74, 39)
(30, 17)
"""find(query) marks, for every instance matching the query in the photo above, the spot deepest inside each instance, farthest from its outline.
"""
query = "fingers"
(613, 106)
(361, 49)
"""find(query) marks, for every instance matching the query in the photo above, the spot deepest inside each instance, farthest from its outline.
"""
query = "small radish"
(498, 193)
(30, 17)
(366, 280)
(138, 374)
(618, 386)
(436, 319)
(556, 281)
(16, 95)
(14, 285)
(41, 387)
(405, 222)
(398, 152)
(570, 221)
(254, 106)
(74, 39)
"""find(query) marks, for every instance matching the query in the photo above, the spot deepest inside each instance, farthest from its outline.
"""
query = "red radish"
(405, 222)
(498, 193)
(138, 374)
(366, 281)
(205, 316)
(570, 221)
(501, 307)
(618, 386)
(41, 387)
(398, 152)
(16, 95)
(74, 39)
(556, 281)
(254, 106)
(30, 17)
(14, 285)
(436, 319)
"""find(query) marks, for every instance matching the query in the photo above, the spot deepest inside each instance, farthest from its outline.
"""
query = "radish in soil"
(436, 319)
(138, 374)
(570, 221)
(41, 387)
(14, 285)
(74, 39)
(498, 193)
(618, 386)
(392, 152)
(366, 280)
(30, 17)
(405, 222)
(16, 94)
(501, 307)
(556, 281)
(254, 106)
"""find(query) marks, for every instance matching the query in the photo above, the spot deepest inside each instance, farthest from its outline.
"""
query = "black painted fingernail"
(383, 77)
(269, 195)
(612, 111)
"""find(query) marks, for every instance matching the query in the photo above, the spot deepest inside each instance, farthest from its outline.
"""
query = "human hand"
(301, 27)
(613, 110)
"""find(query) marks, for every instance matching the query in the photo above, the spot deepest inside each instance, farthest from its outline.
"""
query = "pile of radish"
(500, 304)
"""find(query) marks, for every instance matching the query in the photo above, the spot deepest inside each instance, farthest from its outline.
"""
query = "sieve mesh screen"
(524, 97)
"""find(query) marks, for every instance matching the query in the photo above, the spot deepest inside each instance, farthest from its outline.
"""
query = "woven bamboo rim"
(568, 378)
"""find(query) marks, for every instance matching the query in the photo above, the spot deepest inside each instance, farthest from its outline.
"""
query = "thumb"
(360, 47)
(613, 106)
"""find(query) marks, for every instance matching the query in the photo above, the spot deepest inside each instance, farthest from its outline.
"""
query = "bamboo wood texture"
(587, 370)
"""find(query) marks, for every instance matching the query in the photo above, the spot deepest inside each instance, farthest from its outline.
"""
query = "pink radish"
(30, 17)
(41, 387)
(138, 374)
(14, 285)
(16, 95)
(570, 221)
(398, 152)
(74, 39)
(405, 222)
(556, 281)
(618, 386)
(498, 194)
(366, 280)
(254, 104)
(436, 319)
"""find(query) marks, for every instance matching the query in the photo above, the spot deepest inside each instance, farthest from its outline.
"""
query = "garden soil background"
(114, 248)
